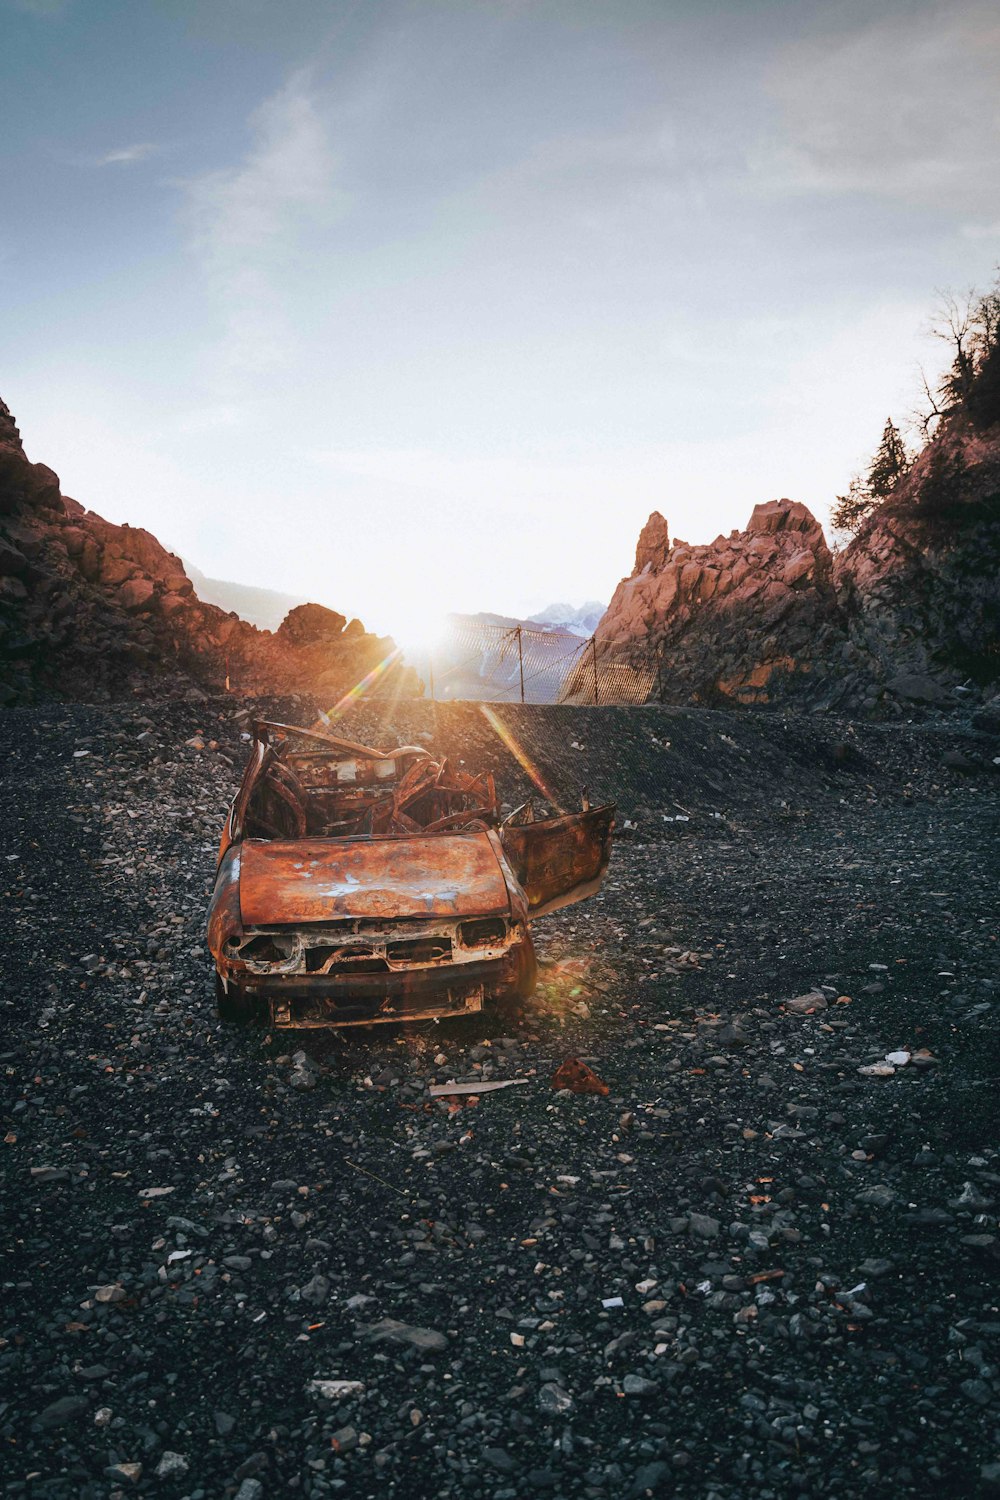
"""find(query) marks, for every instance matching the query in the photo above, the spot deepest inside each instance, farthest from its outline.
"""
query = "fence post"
(659, 674)
(430, 672)
(593, 662)
(520, 661)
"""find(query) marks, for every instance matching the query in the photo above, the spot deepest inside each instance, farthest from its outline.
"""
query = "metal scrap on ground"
(488, 1086)
(578, 1078)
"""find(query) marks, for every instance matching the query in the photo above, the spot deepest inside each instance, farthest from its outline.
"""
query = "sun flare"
(416, 633)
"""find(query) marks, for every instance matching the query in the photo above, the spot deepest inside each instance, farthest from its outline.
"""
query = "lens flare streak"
(361, 689)
(507, 737)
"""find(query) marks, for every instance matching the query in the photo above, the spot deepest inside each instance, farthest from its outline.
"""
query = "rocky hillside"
(908, 613)
(920, 584)
(92, 610)
(741, 619)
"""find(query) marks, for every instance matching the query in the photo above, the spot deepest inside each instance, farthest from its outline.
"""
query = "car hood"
(324, 880)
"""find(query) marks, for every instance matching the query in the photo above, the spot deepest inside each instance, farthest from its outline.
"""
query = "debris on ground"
(451, 1090)
(578, 1077)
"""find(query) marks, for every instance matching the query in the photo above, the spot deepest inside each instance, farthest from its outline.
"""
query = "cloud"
(126, 154)
(904, 108)
(248, 221)
(121, 156)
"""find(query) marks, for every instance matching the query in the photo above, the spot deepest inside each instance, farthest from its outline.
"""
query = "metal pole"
(659, 675)
(520, 661)
(430, 672)
(593, 660)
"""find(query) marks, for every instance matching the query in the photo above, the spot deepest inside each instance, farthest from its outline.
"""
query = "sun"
(416, 632)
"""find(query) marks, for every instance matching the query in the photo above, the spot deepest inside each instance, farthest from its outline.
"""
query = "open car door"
(559, 860)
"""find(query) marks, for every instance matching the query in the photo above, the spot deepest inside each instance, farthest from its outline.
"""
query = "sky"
(417, 305)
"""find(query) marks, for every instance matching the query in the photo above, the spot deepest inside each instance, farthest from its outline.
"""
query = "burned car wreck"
(358, 885)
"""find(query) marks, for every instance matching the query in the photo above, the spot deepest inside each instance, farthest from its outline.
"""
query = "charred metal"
(357, 885)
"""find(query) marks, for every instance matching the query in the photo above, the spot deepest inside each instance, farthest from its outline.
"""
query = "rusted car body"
(358, 885)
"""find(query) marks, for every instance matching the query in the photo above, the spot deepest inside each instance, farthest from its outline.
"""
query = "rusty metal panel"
(560, 860)
(319, 880)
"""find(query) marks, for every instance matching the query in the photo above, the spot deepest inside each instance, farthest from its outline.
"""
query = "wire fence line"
(498, 663)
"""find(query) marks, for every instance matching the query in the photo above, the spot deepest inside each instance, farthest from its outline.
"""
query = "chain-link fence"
(496, 663)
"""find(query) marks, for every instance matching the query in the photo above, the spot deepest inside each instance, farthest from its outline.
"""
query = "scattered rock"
(638, 1385)
(59, 1413)
(171, 1465)
(426, 1339)
(807, 1005)
(315, 1291)
(553, 1400)
(704, 1227)
(113, 1293)
(335, 1390)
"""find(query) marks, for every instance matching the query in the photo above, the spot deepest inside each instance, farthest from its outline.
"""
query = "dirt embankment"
(657, 761)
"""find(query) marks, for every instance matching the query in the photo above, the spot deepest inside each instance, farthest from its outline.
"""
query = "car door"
(232, 831)
(559, 860)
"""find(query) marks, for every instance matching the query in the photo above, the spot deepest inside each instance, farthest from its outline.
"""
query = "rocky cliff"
(920, 584)
(908, 613)
(92, 610)
(742, 619)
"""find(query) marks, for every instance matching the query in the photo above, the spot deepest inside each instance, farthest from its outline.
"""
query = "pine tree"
(867, 492)
(853, 509)
(984, 398)
(971, 386)
(890, 463)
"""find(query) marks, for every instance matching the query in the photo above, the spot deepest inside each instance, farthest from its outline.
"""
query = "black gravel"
(750, 1271)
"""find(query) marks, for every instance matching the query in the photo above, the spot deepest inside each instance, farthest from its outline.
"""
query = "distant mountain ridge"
(583, 620)
(265, 608)
(567, 619)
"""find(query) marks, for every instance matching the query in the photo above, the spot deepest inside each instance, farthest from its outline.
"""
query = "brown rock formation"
(740, 619)
(92, 610)
(311, 625)
(908, 614)
(653, 547)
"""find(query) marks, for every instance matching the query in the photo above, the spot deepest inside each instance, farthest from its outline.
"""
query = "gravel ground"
(752, 1270)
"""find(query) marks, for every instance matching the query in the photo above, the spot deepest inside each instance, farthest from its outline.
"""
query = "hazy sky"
(416, 306)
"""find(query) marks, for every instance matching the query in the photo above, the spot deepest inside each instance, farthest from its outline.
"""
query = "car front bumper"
(335, 1000)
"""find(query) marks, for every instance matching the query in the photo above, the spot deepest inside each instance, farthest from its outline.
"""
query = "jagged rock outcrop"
(741, 619)
(93, 610)
(908, 614)
(653, 547)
